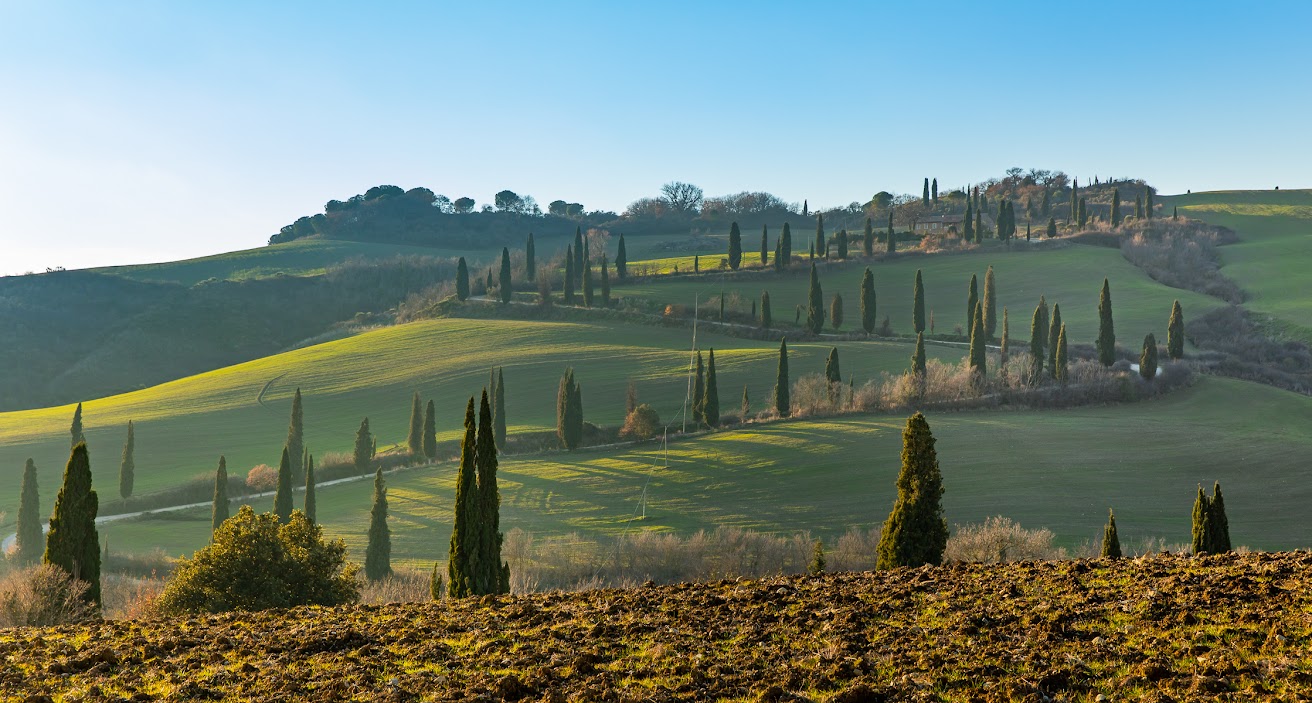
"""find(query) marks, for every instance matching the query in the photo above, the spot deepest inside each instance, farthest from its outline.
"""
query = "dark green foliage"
(890, 240)
(462, 279)
(990, 304)
(363, 453)
(1138, 206)
(787, 239)
(833, 373)
(812, 253)
(1116, 207)
(745, 408)
(1054, 331)
(1004, 345)
(1106, 333)
(621, 261)
(836, 311)
(1175, 212)
(1084, 214)
(1052, 228)
(569, 411)
(222, 507)
(804, 207)
(493, 574)
(766, 321)
(918, 362)
(505, 289)
(568, 290)
(782, 401)
(1075, 199)
(735, 246)
(587, 285)
(977, 339)
(868, 301)
(414, 440)
(499, 408)
(1175, 333)
(979, 227)
(817, 565)
(972, 301)
(29, 542)
(698, 390)
(916, 532)
(868, 239)
(933, 190)
(696, 263)
(430, 431)
(1148, 358)
(296, 435)
(1202, 524)
(924, 199)
(842, 245)
(1038, 337)
(968, 224)
(605, 283)
(461, 567)
(72, 543)
(530, 259)
(1148, 206)
(815, 311)
(821, 244)
(76, 428)
(1111, 542)
(436, 584)
(378, 551)
(254, 563)
(311, 504)
(127, 467)
(580, 256)
(918, 305)
(1047, 201)
(710, 411)
(1060, 369)
(778, 254)
(282, 499)
(1219, 524)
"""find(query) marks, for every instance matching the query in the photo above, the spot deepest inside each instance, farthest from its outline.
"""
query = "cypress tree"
(1047, 201)
(499, 408)
(1054, 331)
(29, 539)
(282, 499)
(1027, 231)
(462, 279)
(414, 440)
(1175, 333)
(699, 390)
(787, 238)
(296, 435)
(1060, 370)
(836, 311)
(765, 246)
(1043, 328)
(868, 239)
(990, 304)
(933, 191)
(1138, 206)
(979, 227)
(430, 432)
(696, 263)
(1052, 228)
(378, 552)
(569, 411)
(812, 253)
(833, 373)
(1084, 215)
(1219, 524)
(804, 207)
(972, 301)
(605, 283)
(436, 584)
(918, 305)
(504, 287)
(1148, 358)
(1111, 543)
(587, 285)
(1175, 212)
(579, 256)
(72, 543)
(918, 362)
(1148, 206)
(487, 285)
(310, 505)
(868, 301)
(461, 576)
(222, 508)
(127, 467)
(815, 311)
(621, 261)
(968, 224)
(1116, 207)
(1075, 200)
(1037, 338)
(891, 244)
(1202, 523)
(765, 310)
(1106, 333)
(76, 428)
(711, 397)
(779, 254)
(530, 260)
(916, 532)
(782, 401)
(821, 244)
(1004, 347)
(735, 246)
(924, 199)
(364, 448)
(842, 245)
(493, 574)
(746, 408)
(977, 348)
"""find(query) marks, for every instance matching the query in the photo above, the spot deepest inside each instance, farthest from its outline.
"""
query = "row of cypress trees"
(474, 565)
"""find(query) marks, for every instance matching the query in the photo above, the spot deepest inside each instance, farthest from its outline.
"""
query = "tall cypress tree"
(605, 283)
(1138, 206)
(787, 239)
(1084, 214)
(222, 508)
(821, 244)
(868, 301)
(1219, 523)
(933, 191)
(568, 286)
(918, 305)
(499, 403)
(1060, 370)
(766, 320)
(76, 428)
(430, 432)
(833, 373)
(804, 207)
(29, 539)
(461, 568)
(1075, 200)
(580, 256)
(979, 227)
(311, 505)
(127, 467)
(296, 435)
(493, 576)
(1111, 542)
(711, 396)
(1148, 205)
(868, 239)
(1148, 358)
(779, 254)
(836, 311)
(1202, 523)
(890, 243)
(1175, 333)
(782, 401)
(1047, 201)
(587, 285)
(1038, 336)
(990, 304)
(735, 246)
(504, 285)
(462, 279)
(569, 411)
(815, 310)
(699, 390)
(1175, 212)
(414, 440)
(282, 499)
(968, 223)
(916, 532)
(364, 448)
(378, 552)
(924, 199)
(1116, 207)
(530, 260)
(72, 543)
(977, 348)
(918, 362)
(1106, 333)
(765, 246)
(972, 301)
(1004, 346)
(1054, 331)
(1052, 228)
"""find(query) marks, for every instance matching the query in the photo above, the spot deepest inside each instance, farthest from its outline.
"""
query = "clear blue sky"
(134, 131)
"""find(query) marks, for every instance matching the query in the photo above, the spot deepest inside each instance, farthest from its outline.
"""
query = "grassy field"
(1070, 275)
(182, 427)
(1272, 261)
(1060, 469)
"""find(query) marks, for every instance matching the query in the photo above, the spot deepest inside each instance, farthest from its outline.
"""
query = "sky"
(150, 131)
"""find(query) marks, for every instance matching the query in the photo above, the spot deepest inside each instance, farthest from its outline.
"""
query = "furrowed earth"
(1161, 628)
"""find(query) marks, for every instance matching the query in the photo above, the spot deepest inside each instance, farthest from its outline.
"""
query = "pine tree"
(76, 428)
(821, 244)
(711, 396)
(72, 543)
(990, 304)
(311, 504)
(462, 279)
(1148, 358)
(222, 508)
(621, 261)
(569, 411)
(568, 286)
(1106, 333)
(587, 286)
(493, 575)
(766, 321)
(918, 305)
(868, 301)
(1219, 524)
(735, 246)
(364, 448)
(916, 532)
(1175, 333)
(1054, 331)
(296, 435)
(972, 301)
(29, 538)
(1111, 543)
(504, 286)
(461, 568)
(933, 191)
(1060, 369)
(1052, 228)
(782, 401)
(924, 199)
(815, 311)
(787, 239)
(530, 260)
(1148, 205)
(918, 362)
(1038, 337)
(836, 311)
(1116, 207)
(127, 468)
(499, 408)
(978, 351)
(430, 432)
(1202, 519)
(378, 552)
(282, 499)
(699, 390)
(891, 238)
(868, 239)
(765, 246)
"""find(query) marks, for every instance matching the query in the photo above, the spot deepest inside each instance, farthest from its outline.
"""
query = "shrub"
(401, 586)
(42, 595)
(262, 478)
(256, 563)
(1000, 540)
(642, 423)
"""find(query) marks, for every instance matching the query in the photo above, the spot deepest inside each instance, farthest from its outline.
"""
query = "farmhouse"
(937, 224)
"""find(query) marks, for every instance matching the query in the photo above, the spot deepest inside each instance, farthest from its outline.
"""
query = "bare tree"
(682, 197)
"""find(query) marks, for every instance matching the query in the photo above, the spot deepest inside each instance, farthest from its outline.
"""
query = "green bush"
(256, 563)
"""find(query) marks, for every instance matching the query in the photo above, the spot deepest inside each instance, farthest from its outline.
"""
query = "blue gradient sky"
(135, 131)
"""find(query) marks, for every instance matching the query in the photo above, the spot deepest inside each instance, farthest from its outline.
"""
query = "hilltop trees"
(918, 305)
(28, 541)
(127, 467)
(916, 532)
(1106, 334)
(76, 428)
(378, 553)
(282, 499)
(1148, 358)
(868, 301)
(505, 290)
(621, 261)
(73, 544)
(430, 432)
(1111, 542)
(221, 509)
(1175, 333)
(363, 453)
(782, 402)
(462, 279)
(815, 311)
(1211, 528)
(735, 246)
(296, 434)
(414, 440)
(569, 411)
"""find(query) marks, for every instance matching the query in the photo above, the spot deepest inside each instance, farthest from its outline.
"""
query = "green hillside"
(1055, 469)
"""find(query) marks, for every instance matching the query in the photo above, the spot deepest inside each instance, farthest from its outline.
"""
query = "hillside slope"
(1155, 629)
